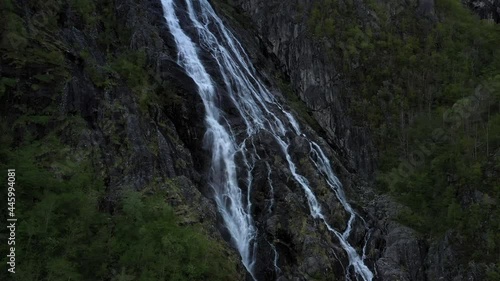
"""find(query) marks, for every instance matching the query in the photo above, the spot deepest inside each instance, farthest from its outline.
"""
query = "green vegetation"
(430, 92)
(415, 83)
(68, 233)
(70, 228)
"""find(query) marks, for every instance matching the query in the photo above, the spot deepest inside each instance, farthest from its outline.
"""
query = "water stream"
(259, 110)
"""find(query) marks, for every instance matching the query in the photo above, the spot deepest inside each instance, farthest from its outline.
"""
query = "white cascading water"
(260, 111)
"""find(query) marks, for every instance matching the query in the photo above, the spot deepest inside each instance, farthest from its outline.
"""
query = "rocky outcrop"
(396, 252)
(404, 250)
(142, 143)
(158, 145)
(283, 32)
(155, 142)
(486, 9)
(307, 251)
(150, 140)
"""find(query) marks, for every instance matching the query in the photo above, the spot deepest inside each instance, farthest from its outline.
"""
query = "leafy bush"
(407, 73)
(66, 234)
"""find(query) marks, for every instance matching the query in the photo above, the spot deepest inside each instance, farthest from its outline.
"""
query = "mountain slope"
(418, 80)
(100, 125)
(106, 130)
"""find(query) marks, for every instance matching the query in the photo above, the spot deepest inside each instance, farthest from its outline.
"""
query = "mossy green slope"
(429, 87)
(68, 228)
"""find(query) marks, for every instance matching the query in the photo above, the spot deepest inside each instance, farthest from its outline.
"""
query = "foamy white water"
(259, 110)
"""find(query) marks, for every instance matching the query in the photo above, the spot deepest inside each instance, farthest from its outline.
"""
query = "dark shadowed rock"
(486, 9)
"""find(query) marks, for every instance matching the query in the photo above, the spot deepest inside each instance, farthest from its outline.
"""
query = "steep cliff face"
(284, 32)
(396, 252)
(98, 83)
(112, 66)
(486, 9)
(320, 79)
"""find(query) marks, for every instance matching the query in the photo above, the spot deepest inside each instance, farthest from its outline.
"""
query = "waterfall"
(259, 110)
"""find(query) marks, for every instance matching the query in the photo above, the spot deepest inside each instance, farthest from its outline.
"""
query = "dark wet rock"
(394, 251)
(426, 7)
(300, 147)
(486, 9)
(146, 148)
(403, 255)
(283, 32)
(162, 146)
(443, 261)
